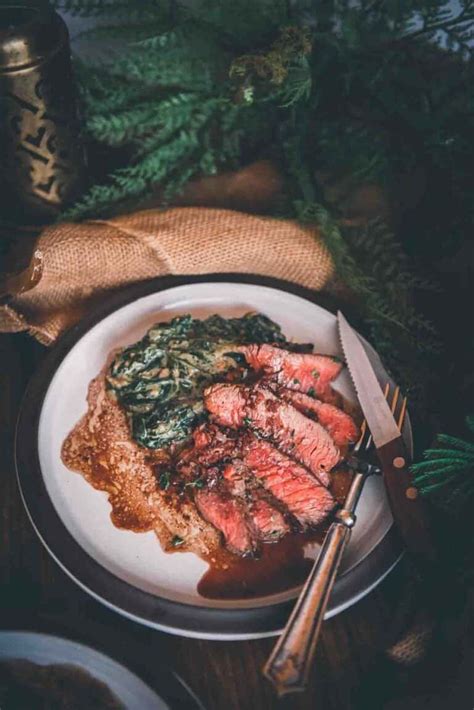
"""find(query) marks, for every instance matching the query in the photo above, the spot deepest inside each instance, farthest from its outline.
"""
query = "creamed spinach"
(159, 380)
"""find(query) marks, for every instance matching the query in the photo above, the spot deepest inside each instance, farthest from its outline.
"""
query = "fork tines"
(398, 410)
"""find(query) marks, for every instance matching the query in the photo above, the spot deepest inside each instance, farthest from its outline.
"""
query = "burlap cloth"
(75, 265)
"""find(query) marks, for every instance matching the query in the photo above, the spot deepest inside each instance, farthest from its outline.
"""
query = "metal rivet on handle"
(411, 493)
(346, 517)
(399, 462)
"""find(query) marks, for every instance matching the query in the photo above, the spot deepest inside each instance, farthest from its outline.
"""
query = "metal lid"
(29, 31)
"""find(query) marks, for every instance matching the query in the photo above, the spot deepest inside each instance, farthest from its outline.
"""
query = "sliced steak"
(290, 483)
(227, 515)
(268, 521)
(339, 424)
(305, 440)
(303, 372)
(228, 404)
(236, 475)
(211, 445)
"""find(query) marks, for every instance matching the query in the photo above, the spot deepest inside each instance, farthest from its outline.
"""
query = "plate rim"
(149, 609)
(176, 688)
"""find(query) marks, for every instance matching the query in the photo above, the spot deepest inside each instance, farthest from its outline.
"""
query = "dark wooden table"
(350, 670)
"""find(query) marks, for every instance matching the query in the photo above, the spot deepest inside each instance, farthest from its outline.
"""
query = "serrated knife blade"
(369, 392)
(407, 507)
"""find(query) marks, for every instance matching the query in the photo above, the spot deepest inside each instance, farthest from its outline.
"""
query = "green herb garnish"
(312, 392)
(197, 483)
(177, 541)
(165, 481)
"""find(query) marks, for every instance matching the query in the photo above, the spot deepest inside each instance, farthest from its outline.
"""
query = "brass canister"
(41, 156)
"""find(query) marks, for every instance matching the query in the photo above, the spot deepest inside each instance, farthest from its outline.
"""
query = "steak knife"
(289, 663)
(407, 506)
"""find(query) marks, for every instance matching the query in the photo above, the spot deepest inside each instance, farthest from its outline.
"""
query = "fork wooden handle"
(289, 664)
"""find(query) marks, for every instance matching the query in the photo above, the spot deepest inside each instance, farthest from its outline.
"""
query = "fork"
(290, 661)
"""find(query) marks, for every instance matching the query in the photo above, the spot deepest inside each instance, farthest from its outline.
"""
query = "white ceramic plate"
(137, 560)
(128, 688)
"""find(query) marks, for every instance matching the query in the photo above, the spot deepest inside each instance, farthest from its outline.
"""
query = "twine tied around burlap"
(74, 266)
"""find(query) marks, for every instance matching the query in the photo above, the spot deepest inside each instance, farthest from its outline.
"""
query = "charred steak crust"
(303, 372)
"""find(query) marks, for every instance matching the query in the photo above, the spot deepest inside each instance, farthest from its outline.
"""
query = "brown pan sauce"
(282, 565)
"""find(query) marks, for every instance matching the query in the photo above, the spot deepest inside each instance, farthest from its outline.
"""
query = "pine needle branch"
(444, 467)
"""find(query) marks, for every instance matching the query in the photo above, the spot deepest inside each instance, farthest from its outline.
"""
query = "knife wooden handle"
(408, 508)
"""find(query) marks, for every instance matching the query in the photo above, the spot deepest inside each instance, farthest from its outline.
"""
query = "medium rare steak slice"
(227, 515)
(304, 372)
(211, 445)
(268, 521)
(339, 424)
(305, 440)
(237, 476)
(228, 404)
(290, 483)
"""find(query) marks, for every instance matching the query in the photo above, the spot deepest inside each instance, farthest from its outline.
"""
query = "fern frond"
(130, 32)
(298, 84)
(161, 119)
(180, 69)
(102, 93)
(130, 182)
(153, 169)
(122, 9)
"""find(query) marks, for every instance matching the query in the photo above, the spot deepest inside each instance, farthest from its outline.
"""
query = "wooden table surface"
(350, 670)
